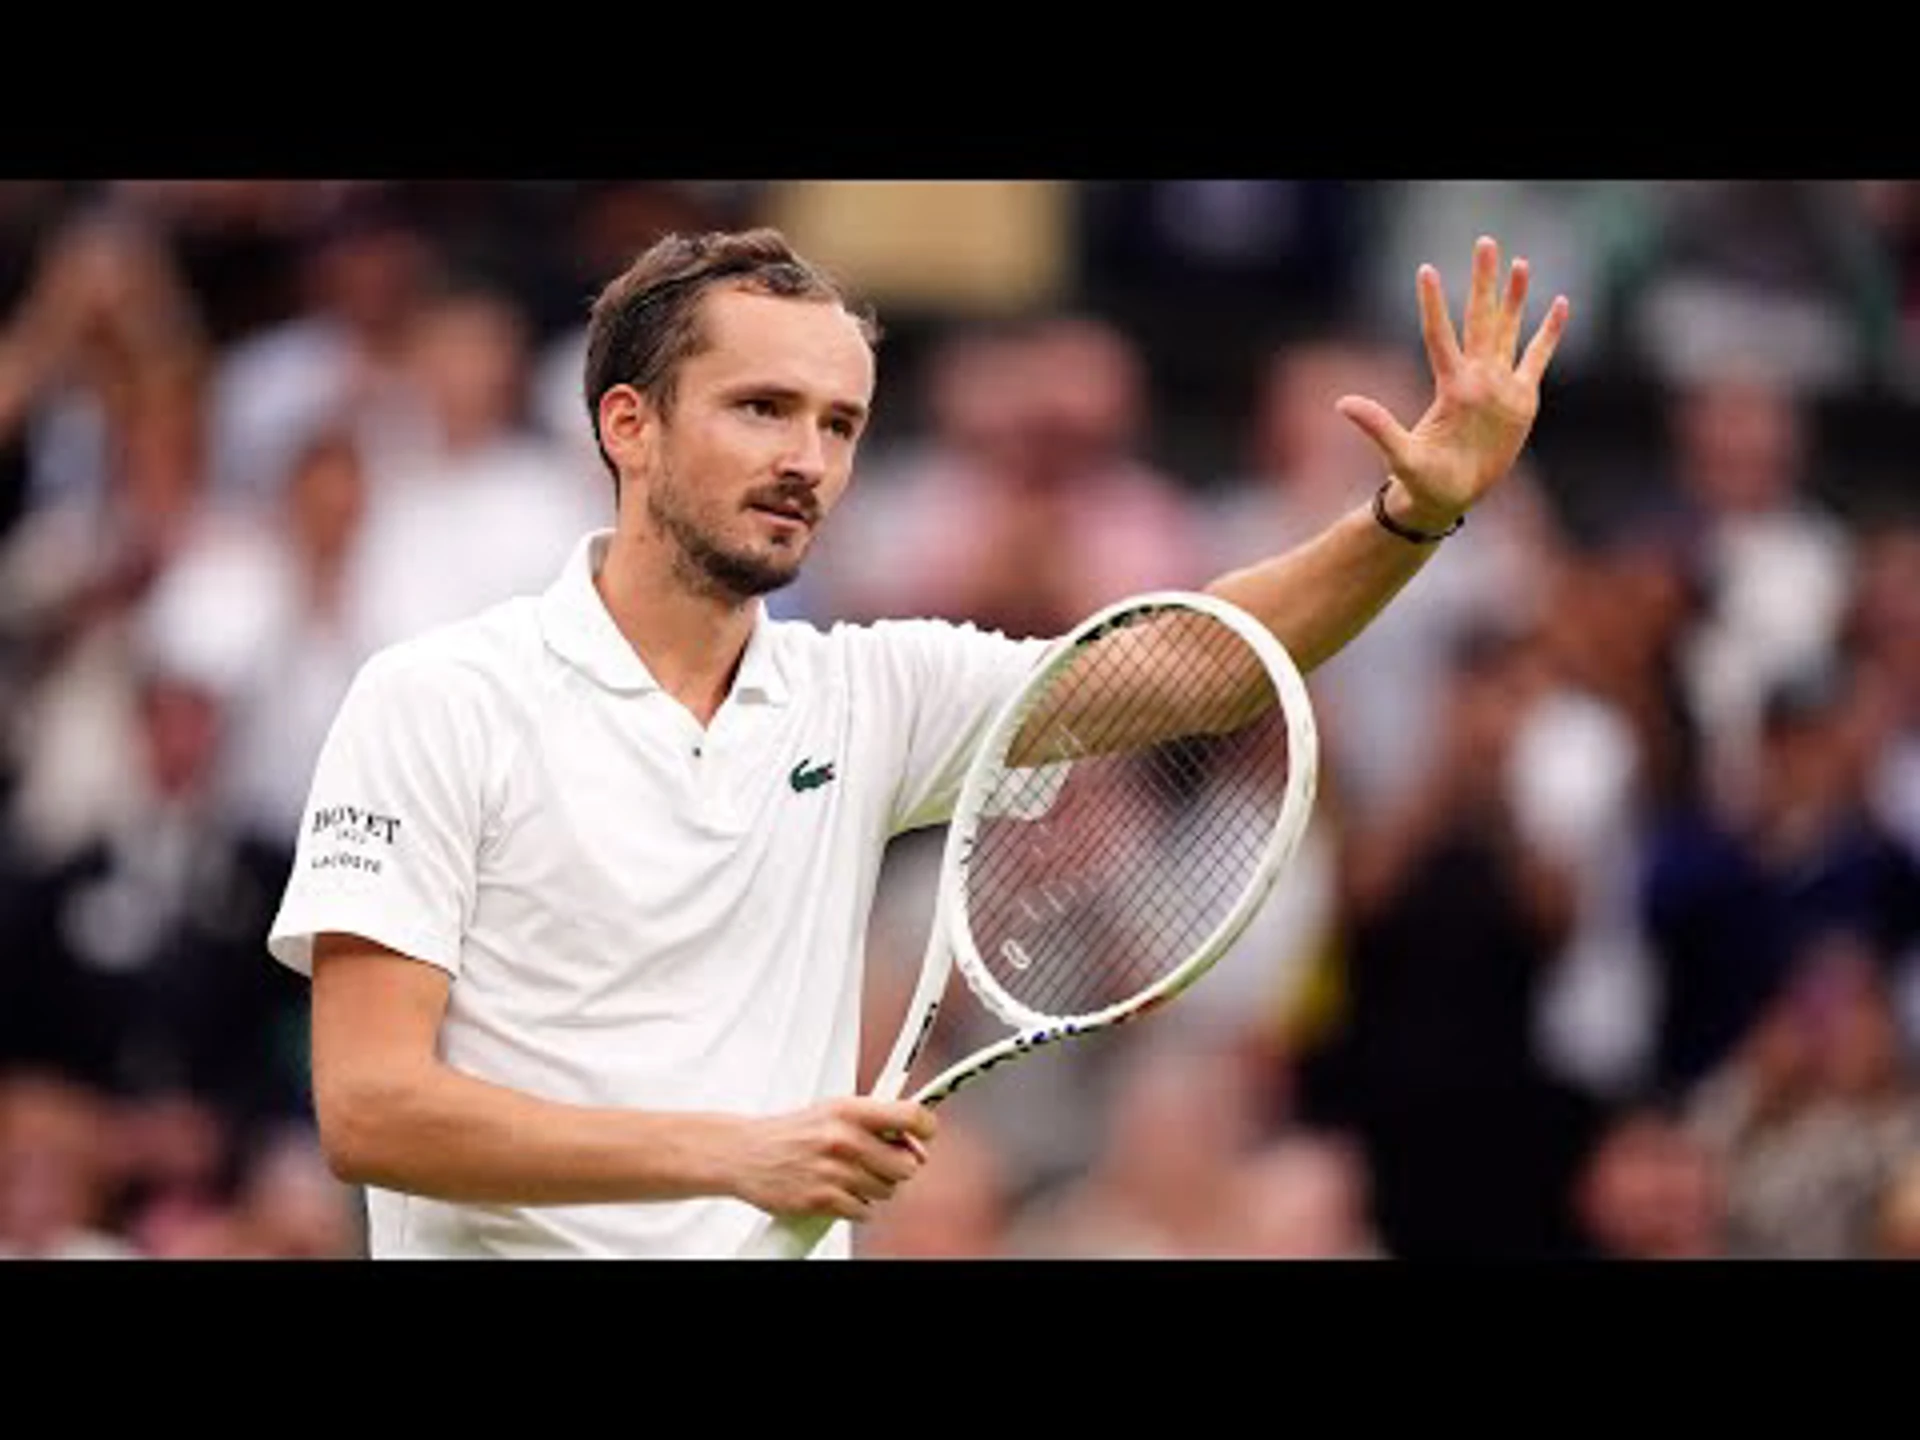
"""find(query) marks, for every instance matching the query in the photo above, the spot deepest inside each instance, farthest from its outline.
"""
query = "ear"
(629, 428)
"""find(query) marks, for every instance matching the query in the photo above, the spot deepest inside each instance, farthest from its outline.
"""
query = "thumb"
(1379, 426)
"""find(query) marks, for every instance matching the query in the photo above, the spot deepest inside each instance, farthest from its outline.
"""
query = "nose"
(806, 456)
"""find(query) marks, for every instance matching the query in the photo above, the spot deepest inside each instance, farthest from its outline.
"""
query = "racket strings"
(1096, 876)
(1156, 930)
(1124, 926)
(1229, 852)
(1211, 870)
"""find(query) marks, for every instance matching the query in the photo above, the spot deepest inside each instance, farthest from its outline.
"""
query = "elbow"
(361, 1121)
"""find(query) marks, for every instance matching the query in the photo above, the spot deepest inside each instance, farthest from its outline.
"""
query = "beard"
(707, 562)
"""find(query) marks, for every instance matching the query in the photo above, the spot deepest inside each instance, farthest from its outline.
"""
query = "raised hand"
(1484, 402)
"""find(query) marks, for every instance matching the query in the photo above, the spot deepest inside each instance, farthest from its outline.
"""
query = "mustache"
(798, 498)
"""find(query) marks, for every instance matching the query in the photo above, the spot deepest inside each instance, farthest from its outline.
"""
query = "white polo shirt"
(634, 912)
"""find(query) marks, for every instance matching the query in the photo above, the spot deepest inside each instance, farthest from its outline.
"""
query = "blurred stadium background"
(1603, 943)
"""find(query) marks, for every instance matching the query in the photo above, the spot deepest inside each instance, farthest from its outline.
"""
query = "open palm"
(1484, 402)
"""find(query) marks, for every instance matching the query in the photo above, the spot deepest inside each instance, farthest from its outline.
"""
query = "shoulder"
(483, 659)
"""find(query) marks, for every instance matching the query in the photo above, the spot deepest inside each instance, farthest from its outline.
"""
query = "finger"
(891, 1162)
(903, 1117)
(861, 1151)
(1482, 315)
(1513, 309)
(1436, 326)
(907, 1141)
(869, 1192)
(844, 1205)
(829, 1195)
(1378, 425)
(1533, 365)
(872, 1185)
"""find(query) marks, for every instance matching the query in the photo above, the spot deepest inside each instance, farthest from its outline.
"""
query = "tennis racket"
(1125, 816)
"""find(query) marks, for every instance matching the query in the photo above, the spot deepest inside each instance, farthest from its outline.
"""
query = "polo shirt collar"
(576, 626)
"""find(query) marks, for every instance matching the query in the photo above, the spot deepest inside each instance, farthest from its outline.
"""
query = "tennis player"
(583, 881)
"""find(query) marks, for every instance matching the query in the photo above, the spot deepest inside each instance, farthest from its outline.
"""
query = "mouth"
(791, 513)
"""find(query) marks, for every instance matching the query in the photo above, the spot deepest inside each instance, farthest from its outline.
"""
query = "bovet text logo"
(351, 825)
(348, 830)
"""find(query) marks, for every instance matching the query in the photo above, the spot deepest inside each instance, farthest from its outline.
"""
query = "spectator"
(365, 269)
(30, 211)
(238, 243)
(286, 657)
(175, 1159)
(478, 470)
(1883, 638)
(1450, 919)
(1781, 274)
(135, 959)
(289, 1206)
(1774, 563)
(1180, 1122)
(969, 421)
(56, 1171)
(1815, 1116)
(1651, 1190)
(973, 532)
(107, 521)
(1593, 761)
(1732, 893)
(106, 323)
(1306, 1197)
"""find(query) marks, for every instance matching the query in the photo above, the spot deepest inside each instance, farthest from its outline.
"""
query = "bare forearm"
(1314, 598)
(431, 1130)
(1319, 596)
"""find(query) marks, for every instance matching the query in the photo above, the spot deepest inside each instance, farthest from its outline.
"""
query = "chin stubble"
(702, 565)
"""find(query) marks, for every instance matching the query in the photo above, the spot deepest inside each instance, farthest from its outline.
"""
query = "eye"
(760, 407)
(843, 427)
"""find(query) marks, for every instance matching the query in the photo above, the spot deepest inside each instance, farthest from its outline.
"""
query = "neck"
(690, 638)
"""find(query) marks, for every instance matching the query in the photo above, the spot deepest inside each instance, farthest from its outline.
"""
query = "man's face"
(758, 443)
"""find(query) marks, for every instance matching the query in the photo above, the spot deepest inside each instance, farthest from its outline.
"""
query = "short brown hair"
(645, 323)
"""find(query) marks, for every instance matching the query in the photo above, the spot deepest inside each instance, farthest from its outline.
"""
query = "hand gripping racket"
(1125, 816)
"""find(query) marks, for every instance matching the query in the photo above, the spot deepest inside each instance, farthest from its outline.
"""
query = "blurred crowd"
(1605, 938)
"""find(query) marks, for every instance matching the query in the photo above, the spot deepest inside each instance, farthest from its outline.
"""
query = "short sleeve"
(390, 838)
(947, 682)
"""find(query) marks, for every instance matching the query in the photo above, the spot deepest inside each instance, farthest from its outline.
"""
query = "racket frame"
(950, 941)
(1033, 1029)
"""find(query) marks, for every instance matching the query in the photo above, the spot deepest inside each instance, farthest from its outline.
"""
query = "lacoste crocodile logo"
(802, 778)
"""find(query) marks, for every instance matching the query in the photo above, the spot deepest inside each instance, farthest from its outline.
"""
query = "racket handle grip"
(788, 1239)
